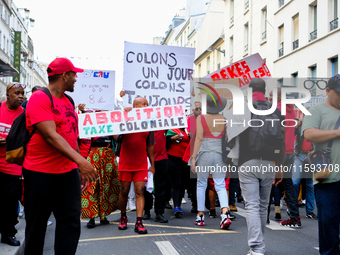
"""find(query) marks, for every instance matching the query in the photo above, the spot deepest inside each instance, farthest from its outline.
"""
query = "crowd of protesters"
(84, 177)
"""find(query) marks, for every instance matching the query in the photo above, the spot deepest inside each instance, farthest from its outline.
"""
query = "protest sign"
(159, 73)
(137, 120)
(95, 88)
(244, 70)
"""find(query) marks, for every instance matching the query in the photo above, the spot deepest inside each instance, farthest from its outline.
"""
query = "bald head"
(140, 102)
(258, 85)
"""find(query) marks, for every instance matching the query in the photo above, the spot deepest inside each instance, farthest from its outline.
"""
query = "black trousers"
(161, 179)
(179, 173)
(47, 193)
(10, 190)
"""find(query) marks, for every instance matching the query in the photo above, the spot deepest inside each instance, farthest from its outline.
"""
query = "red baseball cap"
(62, 65)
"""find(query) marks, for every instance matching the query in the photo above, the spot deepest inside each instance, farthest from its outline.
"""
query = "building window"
(335, 66)
(314, 21)
(199, 70)
(281, 41)
(231, 12)
(246, 37)
(281, 3)
(4, 43)
(334, 15)
(280, 82)
(296, 32)
(218, 58)
(313, 75)
(208, 65)
(231, 49)
(264, 23)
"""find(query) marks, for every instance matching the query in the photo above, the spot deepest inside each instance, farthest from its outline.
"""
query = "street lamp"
(211, 48)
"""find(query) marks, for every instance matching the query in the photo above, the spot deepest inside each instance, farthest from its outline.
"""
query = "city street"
(181, 236)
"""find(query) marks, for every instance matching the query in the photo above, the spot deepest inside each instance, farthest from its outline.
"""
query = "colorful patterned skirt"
(102, 197)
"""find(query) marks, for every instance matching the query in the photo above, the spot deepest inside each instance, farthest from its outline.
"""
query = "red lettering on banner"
(158, 112)
(265, 68)
(138, 114)
(245, 66)
(255, 74)
(215, 77)
(126, 117)
(168, 111)
(261, 72)
(239, 70)
(148, 112)
(178, 110)
(231, 72)
(116, 117)
(87, 119)
(101, 118)
(241, 83)
(245, 78)
(223, 74)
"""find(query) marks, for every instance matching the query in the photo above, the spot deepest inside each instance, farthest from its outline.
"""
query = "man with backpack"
(10, 174)
(52, 167)
(258, 150)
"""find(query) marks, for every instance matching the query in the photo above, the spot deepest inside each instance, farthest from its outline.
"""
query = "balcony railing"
(281, 52)
(313, 35)
(264, 35)
(231, 59)
(232, 20)
(281, 3)
(296, 44)
(246, 4)
(333, 24)
(246, 48)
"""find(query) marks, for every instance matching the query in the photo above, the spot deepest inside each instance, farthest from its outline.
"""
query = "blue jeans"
(296, 178)
(328, 203)
(256, 187)
(214, 160)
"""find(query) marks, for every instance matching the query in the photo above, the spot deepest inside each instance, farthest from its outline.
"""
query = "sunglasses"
(17, 85)
(198, 109)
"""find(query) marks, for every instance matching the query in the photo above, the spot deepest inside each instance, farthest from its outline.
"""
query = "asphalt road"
(182, 236)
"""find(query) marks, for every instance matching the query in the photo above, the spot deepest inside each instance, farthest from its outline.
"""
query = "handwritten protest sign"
(244, 69)
(137, 120)
(95, 88)
(159, 73)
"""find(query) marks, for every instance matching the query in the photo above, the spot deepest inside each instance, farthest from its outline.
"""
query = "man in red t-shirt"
(133, 166)
(52, 165)
(10, 174)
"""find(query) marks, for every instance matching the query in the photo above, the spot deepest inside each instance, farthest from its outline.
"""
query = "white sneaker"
(132, 205)
(199, 220)
(225, 221)
(184, 201)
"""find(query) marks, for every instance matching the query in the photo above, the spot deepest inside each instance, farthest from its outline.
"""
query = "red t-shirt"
(191, 123)
(84, 147)
(6, 120)
(178, 149)
(40, 155)
(160, 146)
(306, 146)
(133, 156)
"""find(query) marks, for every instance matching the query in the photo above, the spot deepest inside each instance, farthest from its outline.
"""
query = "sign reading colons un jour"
(137, 120)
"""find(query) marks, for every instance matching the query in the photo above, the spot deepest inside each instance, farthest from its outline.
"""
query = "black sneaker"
(146, 215)
(161, 219)
(212, 213)
(311, 215)
(10, 240)
(91, 223)
(104, 221)
(168, 205)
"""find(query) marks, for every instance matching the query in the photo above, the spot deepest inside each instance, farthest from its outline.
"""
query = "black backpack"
(18, 136)
(265, 140)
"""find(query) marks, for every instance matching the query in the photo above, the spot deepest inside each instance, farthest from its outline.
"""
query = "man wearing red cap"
(52, 180)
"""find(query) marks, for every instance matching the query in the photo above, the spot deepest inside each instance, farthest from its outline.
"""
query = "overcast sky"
(96, 29)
